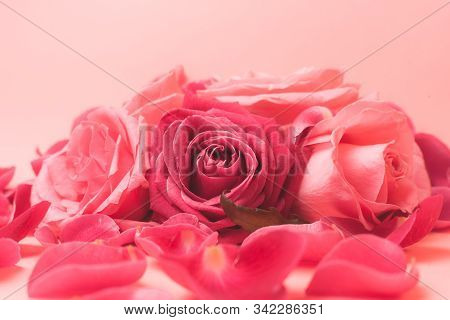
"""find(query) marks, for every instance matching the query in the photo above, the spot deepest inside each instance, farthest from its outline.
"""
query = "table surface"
(45, 83)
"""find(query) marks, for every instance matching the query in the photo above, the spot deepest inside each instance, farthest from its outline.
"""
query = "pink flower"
(364, 165)
(209, 148)
(96, 171)
(282, 98)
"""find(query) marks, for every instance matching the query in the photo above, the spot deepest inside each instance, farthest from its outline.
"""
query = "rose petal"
(46, 235)
(364, 265)
(437, 158)
(181, 236)
(128, 293)
(9, 252)
(88, 228)
(318, 239)
(6, 175)
(77, 268)
(419, 223)
(254, 270)
(21, 226)
(5, 211)
(445, 192)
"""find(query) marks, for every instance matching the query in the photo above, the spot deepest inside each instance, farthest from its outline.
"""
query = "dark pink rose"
(96, 171)
(282, 98)
(209, 148)
(364, 165)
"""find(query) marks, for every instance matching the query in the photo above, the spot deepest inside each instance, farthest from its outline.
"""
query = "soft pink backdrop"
(44, 85)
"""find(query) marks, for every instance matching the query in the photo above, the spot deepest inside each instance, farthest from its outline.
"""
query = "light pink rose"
(96, 171)
(282, 98)
(364, 164)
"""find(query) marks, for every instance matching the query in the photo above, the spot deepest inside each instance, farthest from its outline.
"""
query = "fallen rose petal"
(132, 224)
(255, 270)
(125, 238)
(21, 199)
(21, 226)
(128, 293)
(88, 228)
(6, 175)
(318, 239)
(9, 252)
(309, 118)
(78, 268)
(363, 266)
(181, 236)
(5, 211)
(419, 223)
(46, 235)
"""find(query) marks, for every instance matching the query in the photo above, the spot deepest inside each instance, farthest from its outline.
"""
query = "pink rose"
(282, 98)
(209, 148)
(364, 164)
(96, 171)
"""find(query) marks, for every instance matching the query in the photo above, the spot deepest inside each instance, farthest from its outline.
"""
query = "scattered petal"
(419, 223)
(363, 266)
(255, 270)
(9, 253)
(88, 228)
(78, 268)
(25, 223)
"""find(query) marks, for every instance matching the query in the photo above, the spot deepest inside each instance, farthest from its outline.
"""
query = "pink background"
(44, 85)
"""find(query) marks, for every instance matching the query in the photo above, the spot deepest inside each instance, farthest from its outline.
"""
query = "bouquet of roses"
(230, 185)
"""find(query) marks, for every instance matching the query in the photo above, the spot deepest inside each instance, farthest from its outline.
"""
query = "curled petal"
(437, 158)
(21, 226)
(5, 211)
(363, 265)
(310, 117)
(77, 268)
(21, 199)
(128, 293)
(255, 270)
(46, 235)
(9, 252)
(88, 228)
(6, 175)
(318, 239)
(125, 238)
(419, 223)
(180, 236)
(444, 218)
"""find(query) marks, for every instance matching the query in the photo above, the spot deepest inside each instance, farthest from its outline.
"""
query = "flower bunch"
(231, 185)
